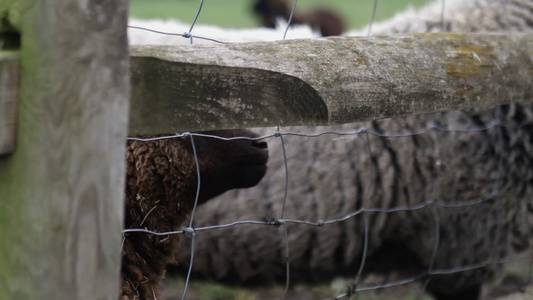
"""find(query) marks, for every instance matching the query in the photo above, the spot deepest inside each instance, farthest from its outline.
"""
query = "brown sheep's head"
(231, 164)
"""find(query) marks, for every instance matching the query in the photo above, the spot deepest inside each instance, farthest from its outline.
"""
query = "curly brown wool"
(161, 189)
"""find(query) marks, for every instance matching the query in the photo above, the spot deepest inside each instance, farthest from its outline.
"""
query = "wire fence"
(499, 128)
(495, 125)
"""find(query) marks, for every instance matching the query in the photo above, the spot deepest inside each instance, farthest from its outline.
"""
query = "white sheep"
(458, 16)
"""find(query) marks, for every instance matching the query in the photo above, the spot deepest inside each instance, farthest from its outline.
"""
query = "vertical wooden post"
(61, 191)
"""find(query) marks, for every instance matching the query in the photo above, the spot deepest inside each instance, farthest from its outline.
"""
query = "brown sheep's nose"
(261, 144)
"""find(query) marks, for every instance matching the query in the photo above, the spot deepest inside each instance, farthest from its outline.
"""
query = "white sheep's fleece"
(137, 36)
(459, 16)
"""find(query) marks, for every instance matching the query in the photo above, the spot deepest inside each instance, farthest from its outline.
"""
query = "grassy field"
(237, 13)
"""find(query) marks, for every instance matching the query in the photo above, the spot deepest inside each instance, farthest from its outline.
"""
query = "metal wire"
(290, 19)
(185, 35)
(374, 9)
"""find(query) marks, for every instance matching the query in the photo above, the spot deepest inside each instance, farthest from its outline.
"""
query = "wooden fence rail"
(61, 189)
(324, 81)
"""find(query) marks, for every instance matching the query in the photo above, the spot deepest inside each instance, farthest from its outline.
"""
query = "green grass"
(237, 13)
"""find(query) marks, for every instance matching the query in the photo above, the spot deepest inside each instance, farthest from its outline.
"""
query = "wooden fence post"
(61, 191)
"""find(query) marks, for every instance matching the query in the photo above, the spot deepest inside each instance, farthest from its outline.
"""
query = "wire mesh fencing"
(369, 200)
(439, 199)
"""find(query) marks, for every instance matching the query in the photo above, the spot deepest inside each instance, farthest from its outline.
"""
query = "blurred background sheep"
(325, 21)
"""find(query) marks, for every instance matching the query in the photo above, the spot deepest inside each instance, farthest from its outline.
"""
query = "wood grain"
(62, 190)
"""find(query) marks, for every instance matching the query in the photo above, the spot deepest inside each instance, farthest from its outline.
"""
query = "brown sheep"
(161, 187)
(327, 22)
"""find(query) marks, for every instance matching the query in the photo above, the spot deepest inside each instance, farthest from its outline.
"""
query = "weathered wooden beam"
(9, 86)
(324, 81)
(62, 189)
